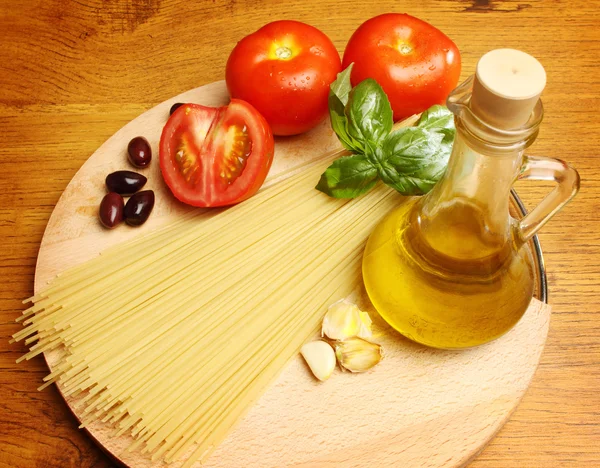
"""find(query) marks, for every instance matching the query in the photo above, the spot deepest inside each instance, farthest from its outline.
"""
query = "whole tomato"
(284, 70)
(415, 63)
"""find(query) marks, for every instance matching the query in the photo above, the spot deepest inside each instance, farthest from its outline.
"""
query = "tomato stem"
(283, 53)
(405, 49)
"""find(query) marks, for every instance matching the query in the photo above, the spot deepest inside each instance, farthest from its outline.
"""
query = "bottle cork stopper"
(507, 86)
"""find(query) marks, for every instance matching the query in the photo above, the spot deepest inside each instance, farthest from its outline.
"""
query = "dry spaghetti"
(172, 336)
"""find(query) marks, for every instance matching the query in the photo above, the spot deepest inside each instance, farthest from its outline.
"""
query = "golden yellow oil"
(456, 287)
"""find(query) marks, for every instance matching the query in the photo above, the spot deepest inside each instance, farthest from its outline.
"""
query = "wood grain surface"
(74, 72)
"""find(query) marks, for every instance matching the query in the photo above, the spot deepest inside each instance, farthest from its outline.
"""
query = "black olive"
(139, 207)
(139, 152)
(111, 210)
(125, 182)
(175, 106)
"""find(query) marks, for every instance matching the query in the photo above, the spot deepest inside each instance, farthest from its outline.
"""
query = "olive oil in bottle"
(452, 269)
(445, 297)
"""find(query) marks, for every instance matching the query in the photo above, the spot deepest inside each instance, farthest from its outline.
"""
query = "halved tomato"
(215, 156)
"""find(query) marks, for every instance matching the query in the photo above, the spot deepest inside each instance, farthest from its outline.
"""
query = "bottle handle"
(567, 186)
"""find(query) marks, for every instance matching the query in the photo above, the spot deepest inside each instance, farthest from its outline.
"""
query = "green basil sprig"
(410, 159)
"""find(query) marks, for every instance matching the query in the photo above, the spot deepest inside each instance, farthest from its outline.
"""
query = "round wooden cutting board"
(419, 408)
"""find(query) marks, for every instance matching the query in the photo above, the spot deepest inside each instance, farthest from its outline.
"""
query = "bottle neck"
(463, 224)
(466, 215)
(465, 219)
(480, 179)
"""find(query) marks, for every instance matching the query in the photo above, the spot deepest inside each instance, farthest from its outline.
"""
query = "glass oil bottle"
(453, 269)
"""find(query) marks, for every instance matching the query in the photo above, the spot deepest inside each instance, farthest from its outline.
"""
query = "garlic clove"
(358, 355)
(345, 320)
(320, 357)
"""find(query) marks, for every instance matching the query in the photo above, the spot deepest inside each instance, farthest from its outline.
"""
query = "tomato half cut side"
(215, 156)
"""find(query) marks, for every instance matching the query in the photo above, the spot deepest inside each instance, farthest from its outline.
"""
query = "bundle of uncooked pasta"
(172, 336)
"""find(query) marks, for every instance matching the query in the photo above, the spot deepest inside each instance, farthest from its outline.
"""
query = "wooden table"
(74, 72)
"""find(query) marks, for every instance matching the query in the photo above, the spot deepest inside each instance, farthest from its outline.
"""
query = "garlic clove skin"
(320, 357)
(365, 326)
(345, 320)
(358, 355)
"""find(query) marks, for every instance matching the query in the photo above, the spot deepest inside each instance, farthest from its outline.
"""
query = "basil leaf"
(338, 97)
(406, 184)
(410, 148)
(348, 177)
(413, 159)
(439, 119)
(436, 117)
(339, 124)
(341, 87)
(369, 114)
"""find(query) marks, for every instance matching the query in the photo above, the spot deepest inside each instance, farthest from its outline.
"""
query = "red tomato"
(215, 156)
(416, 64)
(284, 70)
